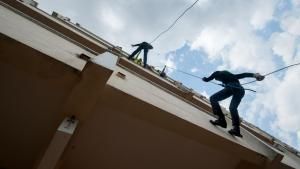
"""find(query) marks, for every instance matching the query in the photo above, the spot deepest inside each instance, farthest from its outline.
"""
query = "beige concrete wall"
(36, 93)
(127, 133)
(33, 90)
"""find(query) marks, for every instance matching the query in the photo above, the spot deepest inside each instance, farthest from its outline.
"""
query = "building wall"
(123, 132)
(33, 90)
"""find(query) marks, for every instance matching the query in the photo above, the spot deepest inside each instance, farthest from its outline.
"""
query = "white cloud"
(225, 103)
(194, 70)
(298, 142)
(283, 44)
(296, 3)
(212, 40)
(110, 19)
(280, 101)
(297, 55)
(169, 62)
(261, 16)
(292, 25)
(250, 53)
(204, 93)
(287, 101)
(282, 135)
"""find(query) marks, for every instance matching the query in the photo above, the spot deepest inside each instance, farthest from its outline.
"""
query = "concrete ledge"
(19, 28)
(163, 83)
(37, 15)
(106, 60)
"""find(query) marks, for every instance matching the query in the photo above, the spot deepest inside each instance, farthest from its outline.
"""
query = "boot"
(219, 122)
(235, 131)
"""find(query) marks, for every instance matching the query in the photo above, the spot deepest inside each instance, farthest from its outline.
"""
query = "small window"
(121, 75)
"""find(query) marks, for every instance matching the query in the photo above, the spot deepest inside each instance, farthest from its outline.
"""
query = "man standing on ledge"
(232, 87)
(144, 45)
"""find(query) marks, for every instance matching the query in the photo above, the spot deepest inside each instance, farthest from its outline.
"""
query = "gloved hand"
(205, 79)
(259, 77)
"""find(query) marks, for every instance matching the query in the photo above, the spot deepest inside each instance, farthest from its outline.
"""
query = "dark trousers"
(237, 94)
(137, 51)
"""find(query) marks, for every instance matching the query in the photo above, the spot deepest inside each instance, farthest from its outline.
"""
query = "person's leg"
(236, 100)
(145, 57)
(135, 52)
(214, 101)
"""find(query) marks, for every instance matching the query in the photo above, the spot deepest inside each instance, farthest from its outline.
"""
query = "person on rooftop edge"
(232, 87)
(141, 46)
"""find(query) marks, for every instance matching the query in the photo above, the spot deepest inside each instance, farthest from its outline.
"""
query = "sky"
(239, 36)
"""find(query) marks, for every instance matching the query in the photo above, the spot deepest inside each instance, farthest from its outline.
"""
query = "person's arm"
(150, 46)
(211, 77)
(257, 76)
(244, 75)
(136, 44)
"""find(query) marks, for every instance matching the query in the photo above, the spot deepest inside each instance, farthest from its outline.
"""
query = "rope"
(173, 22)
(277, 70)
(274, 72)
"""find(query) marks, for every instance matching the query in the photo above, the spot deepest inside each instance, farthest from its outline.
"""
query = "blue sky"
(240, 36)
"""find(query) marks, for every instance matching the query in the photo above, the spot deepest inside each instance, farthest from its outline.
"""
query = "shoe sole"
(241, 136)
(212, 122)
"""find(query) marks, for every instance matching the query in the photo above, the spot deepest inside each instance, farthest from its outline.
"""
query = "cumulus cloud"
(296, 3)
(169, 62)
(213, 40)
(287, 102)
(194, 70)
(283, 44)
(298, 136)
(112, 21)
(278, 101)
(261, 17)
(292, 25)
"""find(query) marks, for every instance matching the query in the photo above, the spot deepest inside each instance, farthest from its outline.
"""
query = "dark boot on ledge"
(219, 122)
(235, 131)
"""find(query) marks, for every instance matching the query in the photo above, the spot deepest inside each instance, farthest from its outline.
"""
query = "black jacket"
(144, 45)
(226, 77)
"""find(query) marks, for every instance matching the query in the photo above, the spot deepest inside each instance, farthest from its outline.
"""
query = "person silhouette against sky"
(232, 87)
(141, 46)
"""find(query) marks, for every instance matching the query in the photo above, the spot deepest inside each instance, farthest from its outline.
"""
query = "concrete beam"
(92, 81)
(58, 144)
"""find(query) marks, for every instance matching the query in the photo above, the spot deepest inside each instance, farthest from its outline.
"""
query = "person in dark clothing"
(141, 46)
(232, 87)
